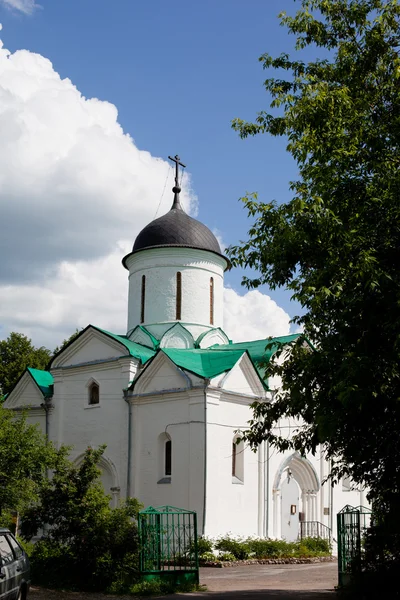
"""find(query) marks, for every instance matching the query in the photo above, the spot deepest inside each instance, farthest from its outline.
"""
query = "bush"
(238, 548)
(204, 545)
(316, 545)
(226, 557)
(87, 544)
(266, 548)
(209, 557)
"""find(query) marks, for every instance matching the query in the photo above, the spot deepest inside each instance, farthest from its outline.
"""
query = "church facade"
(169, 398)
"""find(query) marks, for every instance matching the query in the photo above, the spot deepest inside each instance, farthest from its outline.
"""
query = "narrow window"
(211, 301)
(143, 298)
(234, 449)
(168, 458)
(237, 460)
(94, 394)
(178, 295)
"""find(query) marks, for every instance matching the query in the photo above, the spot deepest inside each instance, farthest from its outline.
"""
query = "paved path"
(284, 582)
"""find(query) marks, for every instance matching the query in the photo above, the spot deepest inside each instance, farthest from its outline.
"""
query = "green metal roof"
(257, 349)
(205, 363)
(134, 349)
(43, 379)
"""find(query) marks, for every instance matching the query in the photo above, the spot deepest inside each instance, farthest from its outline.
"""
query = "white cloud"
(25, 6)
(71, 182)
(253, 316)
(74, 193)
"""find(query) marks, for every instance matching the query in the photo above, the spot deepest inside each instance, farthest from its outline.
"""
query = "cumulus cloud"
(74, 193)
(71, 182)
(253, 316)
(25, 6)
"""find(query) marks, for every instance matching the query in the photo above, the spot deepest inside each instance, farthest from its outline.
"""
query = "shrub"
(87, 544)
(226, 557)
(316, 545)
(238, 548)
(208, 557)
(205, 545)
(266, 548)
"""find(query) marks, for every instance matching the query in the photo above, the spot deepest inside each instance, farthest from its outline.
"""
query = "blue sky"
(178, 73)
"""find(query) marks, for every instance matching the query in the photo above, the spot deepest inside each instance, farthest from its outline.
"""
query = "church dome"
(176, 228)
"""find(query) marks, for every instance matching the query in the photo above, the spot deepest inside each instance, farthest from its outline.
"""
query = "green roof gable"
(43, 379)
(257, 349)
(205, 363)
(134, 349)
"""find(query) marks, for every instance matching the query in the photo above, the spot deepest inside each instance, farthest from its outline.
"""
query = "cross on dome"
(176, 189)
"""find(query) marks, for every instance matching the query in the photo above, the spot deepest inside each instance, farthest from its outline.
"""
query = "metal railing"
(315, 529)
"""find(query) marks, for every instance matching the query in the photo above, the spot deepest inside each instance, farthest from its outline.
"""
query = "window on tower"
(178, 296)
(143, 298)
(211, 300)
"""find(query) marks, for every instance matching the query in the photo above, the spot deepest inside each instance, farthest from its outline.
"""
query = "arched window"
(211, 300)
(164, 458)
(168, 458)
(237, 460)
(143, 298)
(94, 394)
(178, 295)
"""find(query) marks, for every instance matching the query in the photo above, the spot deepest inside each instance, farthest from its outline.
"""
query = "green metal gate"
(168, 544)
(352, 523)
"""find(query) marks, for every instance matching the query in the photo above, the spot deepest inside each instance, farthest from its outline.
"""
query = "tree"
(25, 456)
(16, 353)
(87, 544)
(336, 244)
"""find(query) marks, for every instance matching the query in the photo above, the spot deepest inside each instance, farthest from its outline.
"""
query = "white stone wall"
(160, 266)
(231, 507)
(75, 423)
(180, 416)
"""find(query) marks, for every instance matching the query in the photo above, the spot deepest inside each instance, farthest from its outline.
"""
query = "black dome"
(176, 228)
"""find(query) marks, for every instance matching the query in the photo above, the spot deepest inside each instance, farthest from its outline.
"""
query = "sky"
(94, 96)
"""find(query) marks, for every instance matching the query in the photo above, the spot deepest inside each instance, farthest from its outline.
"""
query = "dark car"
(14, 568)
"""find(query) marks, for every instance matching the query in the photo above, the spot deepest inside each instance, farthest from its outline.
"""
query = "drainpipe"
(331, 500)
(47, 405)
(266, 492)
(206, 383)
(129, 461)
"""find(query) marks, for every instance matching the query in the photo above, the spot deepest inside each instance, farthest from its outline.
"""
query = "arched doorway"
(295, 492)
(108, 478)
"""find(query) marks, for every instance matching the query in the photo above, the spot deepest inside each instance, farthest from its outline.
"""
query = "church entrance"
(290, 497)
(295, 497)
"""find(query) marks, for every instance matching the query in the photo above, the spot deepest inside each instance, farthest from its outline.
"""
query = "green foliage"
(25, 456)
(16, 353)
(238, 548)
(87, 545)
(225, 557)
(263, 548)
(160, 587)
(336, 244)
(204, 545)
(316, 545)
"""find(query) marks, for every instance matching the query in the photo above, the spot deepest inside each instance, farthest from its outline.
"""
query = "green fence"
(352, 524)
(168, 544)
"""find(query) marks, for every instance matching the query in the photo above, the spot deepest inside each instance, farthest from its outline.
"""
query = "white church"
(169, 397)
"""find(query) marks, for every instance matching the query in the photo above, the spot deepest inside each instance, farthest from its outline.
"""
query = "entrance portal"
(290, 496)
